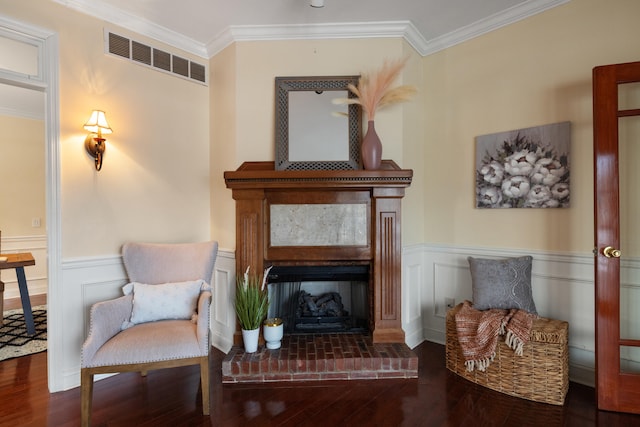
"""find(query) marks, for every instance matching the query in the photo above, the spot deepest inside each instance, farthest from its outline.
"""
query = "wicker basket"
(540, 374)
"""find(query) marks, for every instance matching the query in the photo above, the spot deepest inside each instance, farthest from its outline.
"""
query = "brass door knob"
(610, 252)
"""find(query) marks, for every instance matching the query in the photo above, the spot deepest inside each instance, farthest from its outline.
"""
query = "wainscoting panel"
(413, 287)
(457, 284)
(36, 275)
(223, 316)
(89, 280)
(563, 288)
(86, 281)
(93, 292)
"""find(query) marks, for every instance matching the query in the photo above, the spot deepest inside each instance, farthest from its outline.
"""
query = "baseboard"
(13, 303)
(221, 342)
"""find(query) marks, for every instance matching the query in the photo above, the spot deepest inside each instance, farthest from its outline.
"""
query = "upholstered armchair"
(162, 321)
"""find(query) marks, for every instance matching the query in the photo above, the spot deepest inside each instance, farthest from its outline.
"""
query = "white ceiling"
(204, 27)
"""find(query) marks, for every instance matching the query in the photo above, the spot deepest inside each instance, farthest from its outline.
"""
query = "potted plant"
(252, 303)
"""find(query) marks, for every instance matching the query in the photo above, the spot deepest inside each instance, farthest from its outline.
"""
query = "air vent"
(180, 66)
(118, 45)
(161, 60)
(198, 72)
(142, 54)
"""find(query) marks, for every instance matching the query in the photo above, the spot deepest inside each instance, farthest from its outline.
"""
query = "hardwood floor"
(171, 398)
(13, 303)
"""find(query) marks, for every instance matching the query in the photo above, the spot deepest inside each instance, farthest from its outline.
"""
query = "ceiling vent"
(157, 59)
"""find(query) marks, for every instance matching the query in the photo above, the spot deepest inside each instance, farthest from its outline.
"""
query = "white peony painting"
(524, 168)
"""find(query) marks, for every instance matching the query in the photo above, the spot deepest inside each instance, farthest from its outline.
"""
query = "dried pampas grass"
(374, 90)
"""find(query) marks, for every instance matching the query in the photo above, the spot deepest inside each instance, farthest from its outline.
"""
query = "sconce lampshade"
(317, 3)
(94, 143)
(97, 123)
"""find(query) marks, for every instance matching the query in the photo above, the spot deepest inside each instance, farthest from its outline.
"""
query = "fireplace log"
(325, 305)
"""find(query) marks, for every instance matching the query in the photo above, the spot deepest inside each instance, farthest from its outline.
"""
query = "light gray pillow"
(165, 301)
(503, 283)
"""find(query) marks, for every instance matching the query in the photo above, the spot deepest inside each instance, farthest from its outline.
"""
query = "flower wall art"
(524, 168)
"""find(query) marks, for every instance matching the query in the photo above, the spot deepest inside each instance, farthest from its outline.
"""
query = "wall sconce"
(94, 142)
(317, 3)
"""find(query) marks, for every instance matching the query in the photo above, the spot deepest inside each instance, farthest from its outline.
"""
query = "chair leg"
(86, 396)
(204, 383)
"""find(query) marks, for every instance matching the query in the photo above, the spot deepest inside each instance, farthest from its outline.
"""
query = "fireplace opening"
(320, 299)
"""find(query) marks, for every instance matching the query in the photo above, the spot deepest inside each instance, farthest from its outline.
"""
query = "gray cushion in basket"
(503, 283)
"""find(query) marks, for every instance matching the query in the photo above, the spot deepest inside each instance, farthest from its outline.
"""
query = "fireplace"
(320, 299)
(324, 232)
(329, 218)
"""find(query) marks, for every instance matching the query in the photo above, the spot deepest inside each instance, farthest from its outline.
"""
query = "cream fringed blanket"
(478, 333)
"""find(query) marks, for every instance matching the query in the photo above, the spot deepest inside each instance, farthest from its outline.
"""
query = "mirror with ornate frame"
(309, 135)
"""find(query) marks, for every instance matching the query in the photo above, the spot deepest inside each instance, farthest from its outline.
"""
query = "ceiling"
(204, 27)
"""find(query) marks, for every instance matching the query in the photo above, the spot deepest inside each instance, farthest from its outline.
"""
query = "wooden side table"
(19, 262)
(1, 302)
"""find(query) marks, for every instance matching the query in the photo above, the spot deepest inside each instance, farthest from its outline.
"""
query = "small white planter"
(273, 331)
(250, 340)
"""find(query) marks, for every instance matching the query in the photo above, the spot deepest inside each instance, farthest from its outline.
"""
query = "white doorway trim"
(48, 81)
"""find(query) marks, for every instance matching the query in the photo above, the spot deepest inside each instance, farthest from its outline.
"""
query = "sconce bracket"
(95, 146)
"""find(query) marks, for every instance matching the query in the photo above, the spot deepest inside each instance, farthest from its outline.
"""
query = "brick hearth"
(316, 357)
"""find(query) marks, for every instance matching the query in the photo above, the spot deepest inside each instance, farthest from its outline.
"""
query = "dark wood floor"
(171, 398)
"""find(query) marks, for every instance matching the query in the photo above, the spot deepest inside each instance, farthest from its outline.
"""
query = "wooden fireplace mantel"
(257, 185)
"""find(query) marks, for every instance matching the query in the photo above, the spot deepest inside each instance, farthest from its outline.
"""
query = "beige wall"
(22, 167)
(154, 184)
(413, 150)
(171, 135)
(249, 94)
(534, 72)
(222, 74)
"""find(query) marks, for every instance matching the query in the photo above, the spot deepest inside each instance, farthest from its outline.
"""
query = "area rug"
(14, 341)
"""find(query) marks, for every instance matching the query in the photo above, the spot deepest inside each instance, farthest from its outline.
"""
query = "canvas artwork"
(524, 168)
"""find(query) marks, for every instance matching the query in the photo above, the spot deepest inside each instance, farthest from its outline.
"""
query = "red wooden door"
(616, 122)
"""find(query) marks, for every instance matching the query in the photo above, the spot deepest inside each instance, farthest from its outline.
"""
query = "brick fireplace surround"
(256, 188)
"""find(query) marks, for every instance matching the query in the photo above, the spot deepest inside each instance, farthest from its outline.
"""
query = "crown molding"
(486, 25)
(236, 33)
(105, 12)
(343, 30)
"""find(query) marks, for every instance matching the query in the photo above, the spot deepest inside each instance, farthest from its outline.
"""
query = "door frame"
(47, 81)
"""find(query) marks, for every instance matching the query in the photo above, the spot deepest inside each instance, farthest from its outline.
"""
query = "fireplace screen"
(325, 299)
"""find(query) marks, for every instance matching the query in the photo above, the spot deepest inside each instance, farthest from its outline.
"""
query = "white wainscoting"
(90, 280)
(85, 281)
(36, 275)
(223, 315)
(563, 288)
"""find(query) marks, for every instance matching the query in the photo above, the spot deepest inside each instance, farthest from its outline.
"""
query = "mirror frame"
(284, 85)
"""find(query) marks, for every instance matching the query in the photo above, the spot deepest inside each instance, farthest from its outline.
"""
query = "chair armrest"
(204, 315)
(105, 321)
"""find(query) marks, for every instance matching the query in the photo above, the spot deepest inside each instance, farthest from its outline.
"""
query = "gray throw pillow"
(503, 283)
